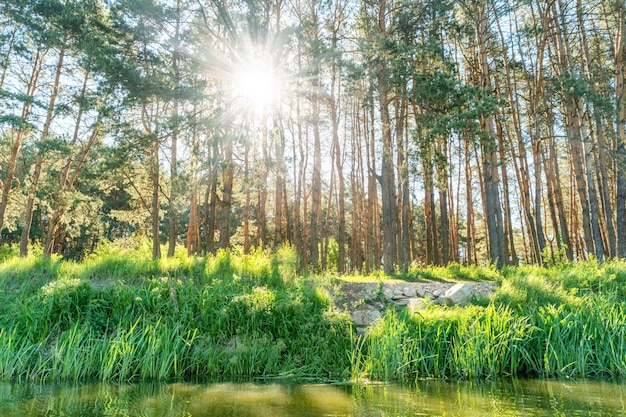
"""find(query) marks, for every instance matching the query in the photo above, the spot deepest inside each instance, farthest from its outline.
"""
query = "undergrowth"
(119, 315)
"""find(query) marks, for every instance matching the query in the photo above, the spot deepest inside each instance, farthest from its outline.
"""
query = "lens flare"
(256, 86)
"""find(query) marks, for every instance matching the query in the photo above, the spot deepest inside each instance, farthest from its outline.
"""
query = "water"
(427, 398)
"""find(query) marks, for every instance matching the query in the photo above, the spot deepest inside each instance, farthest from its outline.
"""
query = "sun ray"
(256, 87)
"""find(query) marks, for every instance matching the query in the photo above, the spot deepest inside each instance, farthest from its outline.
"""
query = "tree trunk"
(16, 146)
(211, 201)
(156, 232)
(193, 228)
(471, 256)
(174, 180)
(172, 211)
(554, 178)
(246, 209)
(387, 178)
(373, 213)
(341, 226)
(405, 202)
(227, 193)
(32, 194)
(620, 99)
(579, 155)
(508, 221)
(280, 214)
(493, 211)
(603, 183)
(66, 182)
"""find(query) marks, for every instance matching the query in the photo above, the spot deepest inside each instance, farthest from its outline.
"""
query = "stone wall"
(366, 300)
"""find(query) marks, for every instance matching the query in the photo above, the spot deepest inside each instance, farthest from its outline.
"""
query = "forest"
(367, 135)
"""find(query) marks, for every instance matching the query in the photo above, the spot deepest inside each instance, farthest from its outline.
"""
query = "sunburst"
(256, 87)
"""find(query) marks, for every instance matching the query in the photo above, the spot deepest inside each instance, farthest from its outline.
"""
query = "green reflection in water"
(426, 398)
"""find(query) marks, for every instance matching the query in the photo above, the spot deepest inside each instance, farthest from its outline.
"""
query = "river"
(288, 398)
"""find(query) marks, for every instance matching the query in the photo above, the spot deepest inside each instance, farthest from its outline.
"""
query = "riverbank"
(120, 316)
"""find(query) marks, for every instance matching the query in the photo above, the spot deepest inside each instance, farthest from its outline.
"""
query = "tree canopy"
(367, 134)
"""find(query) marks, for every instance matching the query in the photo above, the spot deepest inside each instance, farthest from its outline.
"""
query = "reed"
(565, 322)
(119, 316)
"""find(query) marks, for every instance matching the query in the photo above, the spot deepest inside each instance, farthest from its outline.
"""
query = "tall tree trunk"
(172, 211)
(603, 182)
(32, 194)
(357, 183)
(211, 201)
(554, 178)
(490, 161)
(316, 191)
(246, 209)
(580, 157)
(193, 228)
(156, 231)
(387, 178)
(280, 215)
(66, 182)
(341, 226)
(508, 217)
(325, 232)
(299, 228)
(405, 193)
(620, 99)
(430, 217)
(373, 213)
(227, 194)
(174, 180)
(16, 146)
(471, 256)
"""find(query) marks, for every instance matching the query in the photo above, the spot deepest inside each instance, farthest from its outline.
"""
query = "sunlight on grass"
(119, 315)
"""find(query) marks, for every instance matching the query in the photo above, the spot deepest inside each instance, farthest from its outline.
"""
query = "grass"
(566, 322)
(119, 315)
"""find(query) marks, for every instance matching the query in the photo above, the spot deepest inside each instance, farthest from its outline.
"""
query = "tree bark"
(490, 161)
(227, 194)
(32, 194)
(387, 178)
(16, 146)
(156, 222)
(579, 154)
(620, 99)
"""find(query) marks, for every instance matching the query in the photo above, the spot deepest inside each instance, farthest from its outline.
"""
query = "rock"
(458, 295)
(365, 316)
(397, 294)
(437, 293)
(416, 304)
(409, 292)
(388, 292)
(420, 291)
(403, 301)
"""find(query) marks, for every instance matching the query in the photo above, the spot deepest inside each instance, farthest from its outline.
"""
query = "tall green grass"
(119, 315)
(566, 322)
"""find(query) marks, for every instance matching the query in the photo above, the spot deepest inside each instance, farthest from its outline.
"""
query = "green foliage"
(453, 272)
(119, 316)
(251, 315)
(64, 301)
(551, 258)
(565, 322)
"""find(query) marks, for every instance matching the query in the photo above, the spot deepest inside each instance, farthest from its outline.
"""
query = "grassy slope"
(119, 315)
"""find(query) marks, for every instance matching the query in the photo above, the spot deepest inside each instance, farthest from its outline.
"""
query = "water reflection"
(426, 398)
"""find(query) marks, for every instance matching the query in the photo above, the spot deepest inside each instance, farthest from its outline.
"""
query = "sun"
(256, 87)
